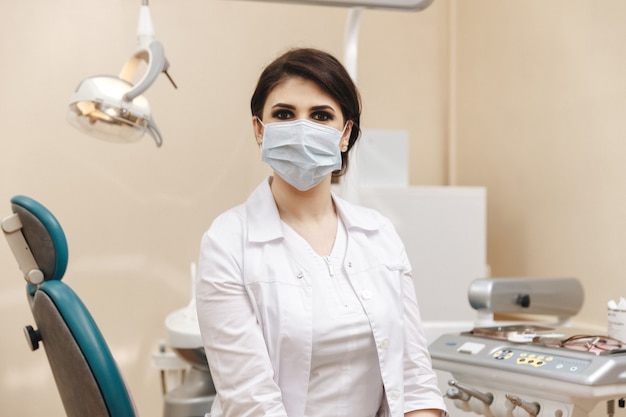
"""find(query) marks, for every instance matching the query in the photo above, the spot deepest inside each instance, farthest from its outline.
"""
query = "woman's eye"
(282, 114)
(322, 116)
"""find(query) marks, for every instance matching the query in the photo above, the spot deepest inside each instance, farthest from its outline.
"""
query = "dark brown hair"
(325, 71)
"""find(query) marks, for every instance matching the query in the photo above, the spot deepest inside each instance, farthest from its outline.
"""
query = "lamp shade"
(100, 108)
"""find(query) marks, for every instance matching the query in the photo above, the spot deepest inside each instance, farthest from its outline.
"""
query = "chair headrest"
(44, 236)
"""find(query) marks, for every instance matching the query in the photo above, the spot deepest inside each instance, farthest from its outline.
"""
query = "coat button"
(395, 394)
(384, 343)
(366, 294)
(300, 275)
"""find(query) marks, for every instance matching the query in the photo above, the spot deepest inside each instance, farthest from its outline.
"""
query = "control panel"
(557, 363)
(552, 362)
(496, 377)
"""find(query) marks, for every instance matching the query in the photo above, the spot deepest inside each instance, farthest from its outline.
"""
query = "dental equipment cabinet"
(536, 367)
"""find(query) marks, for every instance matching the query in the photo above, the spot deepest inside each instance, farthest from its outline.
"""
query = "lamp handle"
(154, 131)
(155, 57)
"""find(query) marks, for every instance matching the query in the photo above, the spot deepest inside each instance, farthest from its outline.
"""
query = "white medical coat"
(254, 305)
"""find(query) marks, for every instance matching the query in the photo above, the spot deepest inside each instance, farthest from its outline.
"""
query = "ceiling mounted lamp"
(351, 34)
(111, 107)
(408, 5)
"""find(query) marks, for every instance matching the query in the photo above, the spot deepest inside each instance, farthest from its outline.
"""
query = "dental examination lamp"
(113, 108)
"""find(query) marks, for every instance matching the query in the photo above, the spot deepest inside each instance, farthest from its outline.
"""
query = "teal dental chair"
(87, 377)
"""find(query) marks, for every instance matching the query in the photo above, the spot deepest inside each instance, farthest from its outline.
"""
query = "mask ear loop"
(344, 148)
(258, 119)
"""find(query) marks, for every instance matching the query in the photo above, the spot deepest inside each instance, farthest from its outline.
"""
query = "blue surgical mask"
(301, 152)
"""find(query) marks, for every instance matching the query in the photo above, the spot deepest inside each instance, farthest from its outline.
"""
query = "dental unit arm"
(558, 297)
(406, 5)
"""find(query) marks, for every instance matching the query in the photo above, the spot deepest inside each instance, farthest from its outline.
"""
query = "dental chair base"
(193, 398)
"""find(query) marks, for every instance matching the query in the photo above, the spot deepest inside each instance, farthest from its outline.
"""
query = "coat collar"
(264, 221)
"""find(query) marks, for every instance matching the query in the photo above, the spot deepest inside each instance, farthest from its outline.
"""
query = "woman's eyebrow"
(323, 107)
(314, 108)
(283, 105)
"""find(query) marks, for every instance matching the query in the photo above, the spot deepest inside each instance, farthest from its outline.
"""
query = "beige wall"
(133, 214)
(541, 116)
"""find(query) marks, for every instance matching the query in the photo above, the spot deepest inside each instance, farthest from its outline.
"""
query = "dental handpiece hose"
(456, 394)
(530, 408)
(487, 398)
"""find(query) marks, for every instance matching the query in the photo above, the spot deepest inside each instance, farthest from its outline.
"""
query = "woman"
(306, 302)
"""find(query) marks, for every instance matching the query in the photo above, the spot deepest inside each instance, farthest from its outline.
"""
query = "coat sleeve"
(420, 381)
(233, 341)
